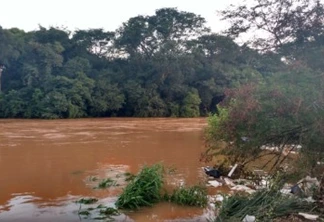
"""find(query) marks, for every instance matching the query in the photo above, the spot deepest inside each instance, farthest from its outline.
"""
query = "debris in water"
(215, 183)
(309, 216)
(243, 188)
(232, 170)
(296, 190)
(229, 182)
(305, 186)
(212, 172)
(249, 218)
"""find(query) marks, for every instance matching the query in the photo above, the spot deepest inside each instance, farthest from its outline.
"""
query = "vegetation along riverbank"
(275, 124)
(264, 97)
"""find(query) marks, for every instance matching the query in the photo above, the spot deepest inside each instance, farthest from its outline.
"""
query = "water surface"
(45, 165)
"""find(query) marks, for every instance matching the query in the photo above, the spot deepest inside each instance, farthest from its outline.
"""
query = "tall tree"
(281, 21)
(165, 31)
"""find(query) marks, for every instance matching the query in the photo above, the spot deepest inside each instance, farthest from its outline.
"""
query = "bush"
(143, 190)
(285, 109)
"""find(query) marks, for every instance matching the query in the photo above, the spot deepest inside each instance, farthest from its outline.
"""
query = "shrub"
(283, 110)
(143, 190)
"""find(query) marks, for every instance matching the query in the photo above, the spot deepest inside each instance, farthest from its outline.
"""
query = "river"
(45, 165)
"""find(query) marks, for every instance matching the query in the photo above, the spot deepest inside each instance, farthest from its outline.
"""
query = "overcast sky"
(106, 14)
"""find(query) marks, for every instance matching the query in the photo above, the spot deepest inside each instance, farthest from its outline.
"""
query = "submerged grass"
(190, 196)
(105, 183)
(92, 178)
(100, 212)
(109, 211)
(143, 190)
(87, 200)
(77, 172)
(84, 213)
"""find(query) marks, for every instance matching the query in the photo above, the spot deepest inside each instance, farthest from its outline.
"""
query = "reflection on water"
(46, 165)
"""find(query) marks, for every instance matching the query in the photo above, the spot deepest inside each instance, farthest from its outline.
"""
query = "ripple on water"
(100, 147)
(55, 136)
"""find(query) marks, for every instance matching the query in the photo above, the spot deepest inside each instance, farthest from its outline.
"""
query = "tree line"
(168, 64)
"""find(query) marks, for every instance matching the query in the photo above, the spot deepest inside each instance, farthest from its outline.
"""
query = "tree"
(107, 97)
(39, 60)
(281, 21)
(190, 105)
(282, 111)
(12, 105)
(220, 63)
(166, 31)
(56, 106)
(10, 49)
(95, 41)
(286, 107)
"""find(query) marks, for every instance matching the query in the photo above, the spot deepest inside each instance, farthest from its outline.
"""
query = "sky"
(106, 14)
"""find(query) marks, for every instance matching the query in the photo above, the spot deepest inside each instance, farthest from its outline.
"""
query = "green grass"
(189, 196)
(265, 205)
(143, 190)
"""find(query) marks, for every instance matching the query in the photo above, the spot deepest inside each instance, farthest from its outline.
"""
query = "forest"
(169, 64)
(165, 65)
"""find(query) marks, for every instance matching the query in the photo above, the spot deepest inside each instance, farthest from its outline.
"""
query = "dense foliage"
(146, 188)
(166, 64)
(285, 110)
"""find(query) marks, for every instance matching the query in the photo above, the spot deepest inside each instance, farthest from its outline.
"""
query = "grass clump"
(265, 205)
(105, 183)
(190, 196)
(109, 211)
(143, 190)
(87, 200)
(101, 212)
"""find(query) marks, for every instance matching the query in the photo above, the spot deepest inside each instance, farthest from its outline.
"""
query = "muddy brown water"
(45, 165)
